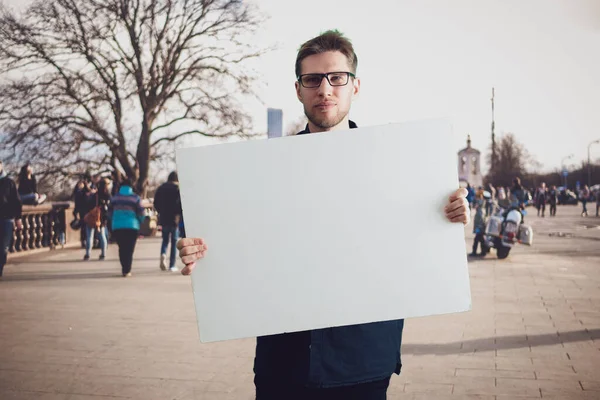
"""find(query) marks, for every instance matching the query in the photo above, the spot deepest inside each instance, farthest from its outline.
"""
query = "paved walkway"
(73, 330)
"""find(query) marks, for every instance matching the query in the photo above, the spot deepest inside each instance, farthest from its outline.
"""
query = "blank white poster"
(325, 229)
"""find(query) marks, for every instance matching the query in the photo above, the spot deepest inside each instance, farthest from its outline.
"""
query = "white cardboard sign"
(325, 229)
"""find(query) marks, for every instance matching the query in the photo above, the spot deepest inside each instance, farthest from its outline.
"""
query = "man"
(584, 196)
(491, 201)
(10, 214)
(553, 200)
(540, 199)
(167, 202)
(349, 362)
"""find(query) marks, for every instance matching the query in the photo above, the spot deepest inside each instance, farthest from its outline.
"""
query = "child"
(479, 223)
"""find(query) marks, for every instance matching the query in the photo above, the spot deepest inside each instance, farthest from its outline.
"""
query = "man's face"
(326, 106)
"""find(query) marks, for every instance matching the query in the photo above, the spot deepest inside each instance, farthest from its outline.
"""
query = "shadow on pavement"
(73, 276)
(500, 343)
(92, 260)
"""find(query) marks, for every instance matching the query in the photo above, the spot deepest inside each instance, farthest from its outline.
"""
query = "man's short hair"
(173, 177)
(331, 40)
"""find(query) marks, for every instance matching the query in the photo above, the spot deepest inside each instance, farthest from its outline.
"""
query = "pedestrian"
(28, 187)
(10, 214)
(598, 202)
(479, 224)
(584, 196)
(127, 213)
(167, 202)
(491, 201)
(347, 362)
(540, 199)
(553, 200)
(470, 195)
(96, 220)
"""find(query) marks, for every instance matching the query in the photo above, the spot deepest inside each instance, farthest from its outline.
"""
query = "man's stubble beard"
(324, 124)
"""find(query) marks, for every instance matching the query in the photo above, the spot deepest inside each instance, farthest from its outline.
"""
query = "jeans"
(478, 239)
(28, 199)
(584, 204)
(6, 232)
(365, 391)
(126, 239)
(171, 231)
(90, 240)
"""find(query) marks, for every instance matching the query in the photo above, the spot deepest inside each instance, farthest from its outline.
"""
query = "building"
(274, 122)
(469, 166)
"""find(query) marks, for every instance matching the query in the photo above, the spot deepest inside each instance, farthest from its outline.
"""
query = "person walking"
(584, 196)
(479, 223)
(540, 199)
(126, 214)
(10, 214)
(99, 202)
(167, 201)
(553, 200)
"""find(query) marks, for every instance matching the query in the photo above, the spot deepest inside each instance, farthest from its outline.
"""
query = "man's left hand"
(457, 209)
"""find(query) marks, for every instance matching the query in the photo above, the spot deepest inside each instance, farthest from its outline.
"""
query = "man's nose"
(325, 89)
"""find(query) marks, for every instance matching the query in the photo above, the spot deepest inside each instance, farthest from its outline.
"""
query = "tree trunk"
(143, 158)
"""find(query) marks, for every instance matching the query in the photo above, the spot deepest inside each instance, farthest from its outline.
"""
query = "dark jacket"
(28, 185)
(330, 357)
(10, 203)
(167, 202)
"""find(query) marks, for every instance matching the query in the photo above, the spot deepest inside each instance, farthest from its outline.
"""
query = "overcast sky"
(438, 58)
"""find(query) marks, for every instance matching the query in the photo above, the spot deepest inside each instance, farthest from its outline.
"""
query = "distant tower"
(469, 167)
(274, 122)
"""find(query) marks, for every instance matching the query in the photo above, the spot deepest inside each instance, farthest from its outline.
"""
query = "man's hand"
(457, 209)
(19, 223)
(190, 251)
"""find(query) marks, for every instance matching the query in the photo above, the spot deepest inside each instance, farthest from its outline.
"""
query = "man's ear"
(356, 88)
(298, 94)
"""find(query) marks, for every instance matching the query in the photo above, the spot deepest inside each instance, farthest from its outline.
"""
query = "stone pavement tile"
(438, 396)
(513, 396)
(433, 389)
(26, 395)
(591, 386)
(475, 360)
(524, 352)
(495, 373)
(45, 382)
(514, 363)
(571, 396)
(516, 386)
(426, 374)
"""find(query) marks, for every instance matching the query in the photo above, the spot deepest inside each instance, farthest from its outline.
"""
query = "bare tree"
(111, 82)
(296, 126)
(512, 160)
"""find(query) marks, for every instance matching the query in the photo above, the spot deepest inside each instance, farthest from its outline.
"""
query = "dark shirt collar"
(306, 130)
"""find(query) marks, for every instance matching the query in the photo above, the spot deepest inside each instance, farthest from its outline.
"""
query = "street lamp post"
(589, 162)
(562, 163)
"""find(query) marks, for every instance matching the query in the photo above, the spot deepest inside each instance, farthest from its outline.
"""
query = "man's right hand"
(190, 251)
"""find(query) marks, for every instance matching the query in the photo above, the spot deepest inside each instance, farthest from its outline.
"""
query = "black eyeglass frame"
(326, 76)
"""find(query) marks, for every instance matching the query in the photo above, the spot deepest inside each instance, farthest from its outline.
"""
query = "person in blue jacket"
(126, 213)
(347, 362)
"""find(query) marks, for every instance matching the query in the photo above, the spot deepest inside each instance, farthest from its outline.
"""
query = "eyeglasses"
(311, 81)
